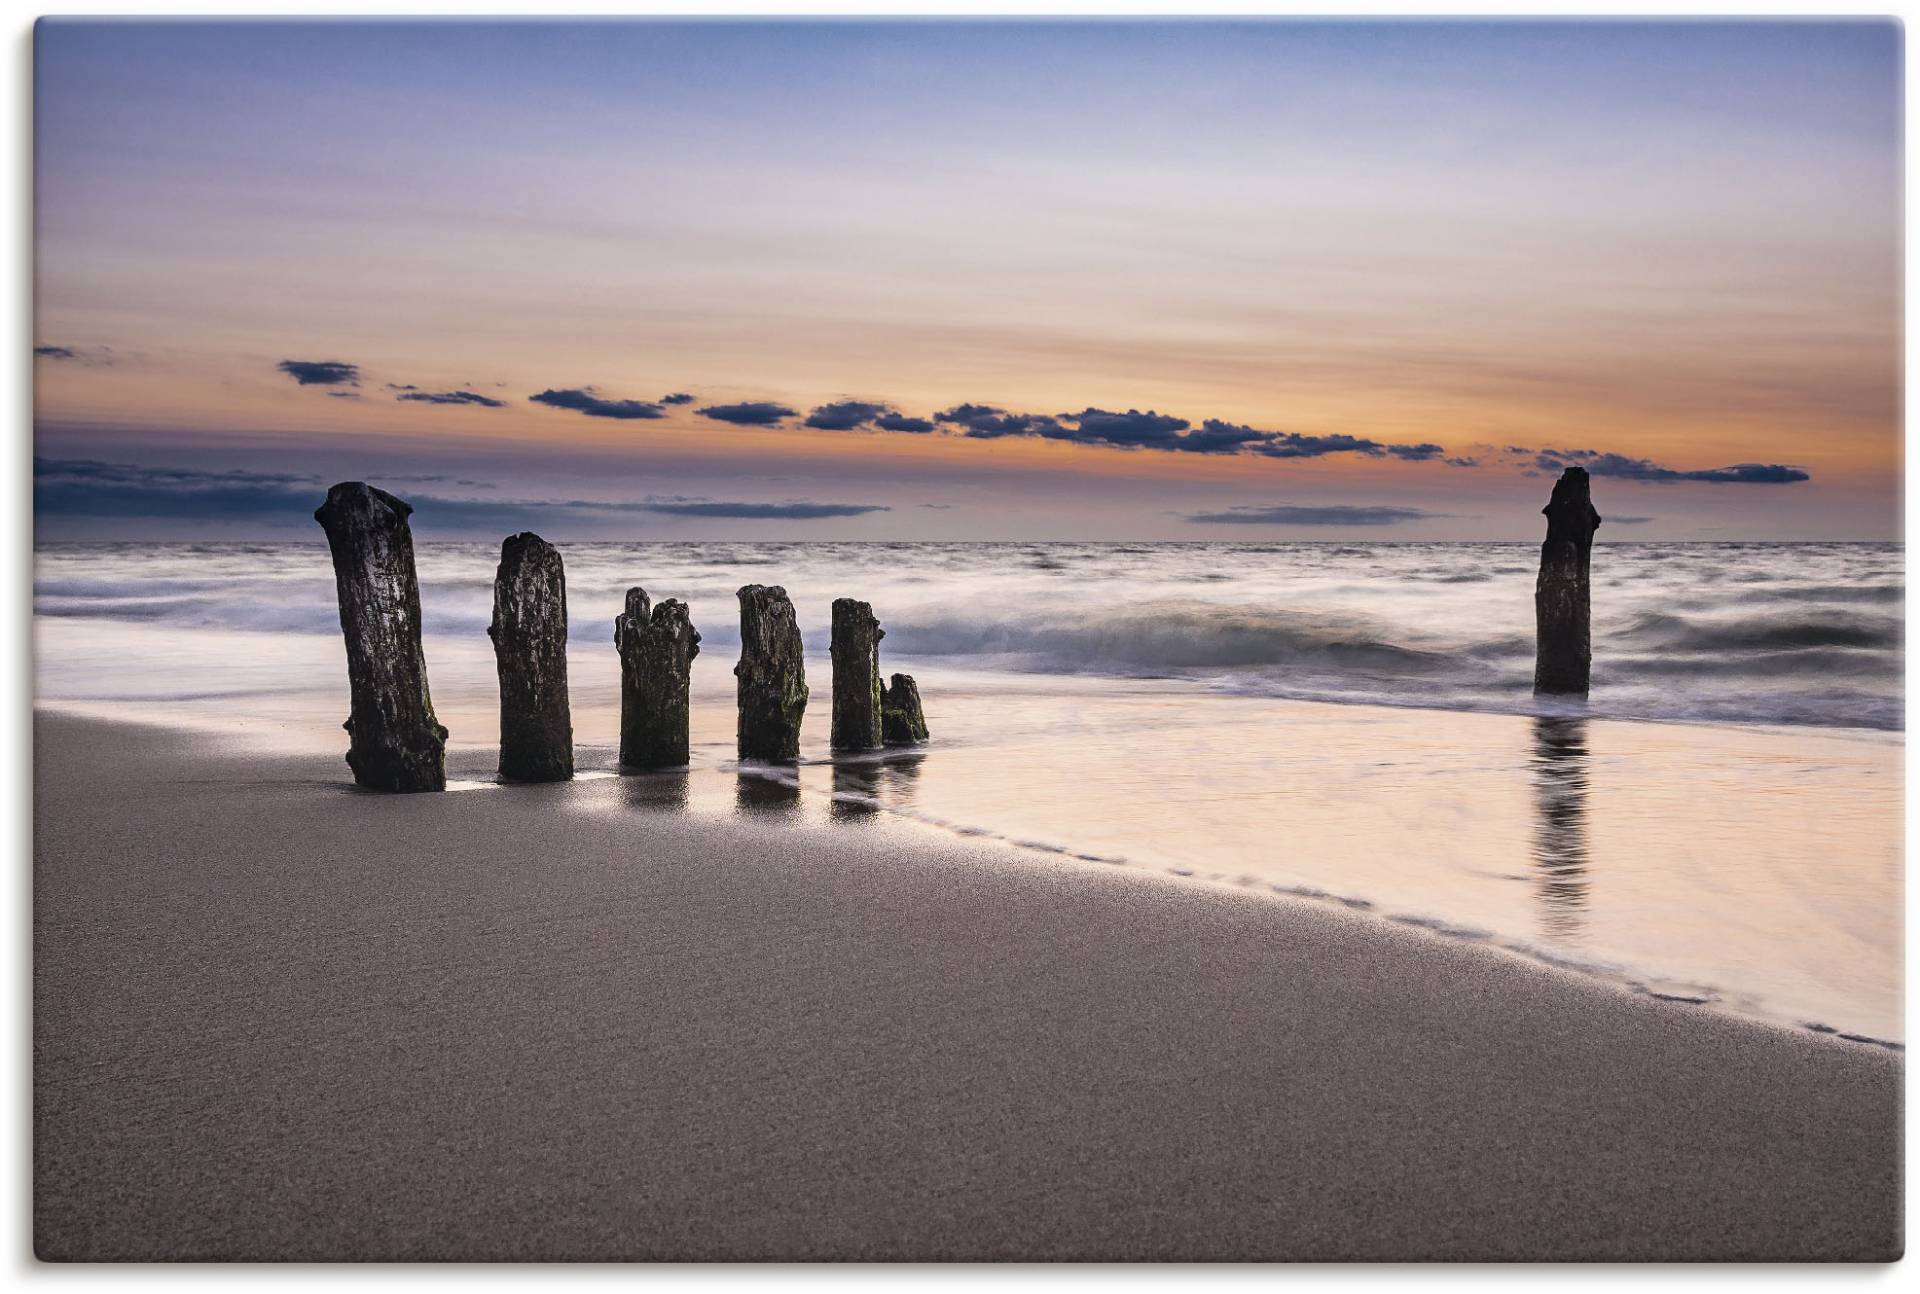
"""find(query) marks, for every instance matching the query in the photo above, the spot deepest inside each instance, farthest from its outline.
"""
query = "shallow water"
(1141, 705)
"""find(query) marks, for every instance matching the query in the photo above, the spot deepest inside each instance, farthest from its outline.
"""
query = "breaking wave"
(1744, 633)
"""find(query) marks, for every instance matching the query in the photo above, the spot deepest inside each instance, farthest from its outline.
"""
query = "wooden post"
(902, 723)
(657, 647)
(772, 676)
(529, 633)
(856, 675)
(1562, 598)
(395, 743)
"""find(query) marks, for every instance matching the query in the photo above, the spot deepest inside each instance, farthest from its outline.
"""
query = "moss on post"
(657, 646)
(856, 675)
(772, 674)
(902, 723)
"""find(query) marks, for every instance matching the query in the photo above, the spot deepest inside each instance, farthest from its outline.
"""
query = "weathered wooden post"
(529, 633)
(856, 675)
(656, 648)
(772, 676)
(1562, 599)
(395, 743)
(902, 722)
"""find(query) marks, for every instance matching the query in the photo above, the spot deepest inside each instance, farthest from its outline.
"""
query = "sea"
(1351, 723)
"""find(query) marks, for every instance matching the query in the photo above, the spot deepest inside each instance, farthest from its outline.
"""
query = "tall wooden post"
(529, 633)
(1562, 598)
(856, 675)
(772, 674)
(657, 646)
(395, 743)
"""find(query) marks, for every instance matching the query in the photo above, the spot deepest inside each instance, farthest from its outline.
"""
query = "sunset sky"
(1371, 280)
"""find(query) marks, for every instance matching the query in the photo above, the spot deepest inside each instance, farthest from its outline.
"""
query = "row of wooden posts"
(396, 743)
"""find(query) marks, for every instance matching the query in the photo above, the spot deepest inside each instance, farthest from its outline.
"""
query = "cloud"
(344, 395)
(845, 415)
(1216, 437)
(584, 400)
(1333, 514)
(1293, 444)
(850, 415)
(1622, 467)
(450, 397)
(678, 397)
(797, 511)
(753, 413)
(320, 372)
(1131, 429)
(1613, 520)
(984, 422)
(56, 352)
(1157, 431)
(68, 489)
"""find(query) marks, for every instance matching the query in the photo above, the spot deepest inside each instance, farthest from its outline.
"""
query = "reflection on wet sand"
(765, 792)
(667, 790)
(1560, 825)
(856, 792)
(861, 789)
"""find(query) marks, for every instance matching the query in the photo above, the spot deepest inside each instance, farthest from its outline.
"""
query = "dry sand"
(278, 1019)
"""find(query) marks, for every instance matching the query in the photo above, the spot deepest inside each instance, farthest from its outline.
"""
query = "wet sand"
(278, 1019)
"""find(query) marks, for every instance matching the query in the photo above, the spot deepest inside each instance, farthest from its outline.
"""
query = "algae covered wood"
(395, 743)
(1562, 596)
(772, 676)
(856, 675)
(902, 723)
(529, 633)
(657, 646)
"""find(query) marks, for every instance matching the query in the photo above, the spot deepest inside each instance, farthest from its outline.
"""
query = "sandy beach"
(279, 1019)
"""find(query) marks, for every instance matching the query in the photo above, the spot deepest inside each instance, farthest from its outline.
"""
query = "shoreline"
(470, 766)
(577, 1021)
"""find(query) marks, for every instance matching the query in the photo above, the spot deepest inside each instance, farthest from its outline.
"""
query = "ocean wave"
(1806, 633)
(1763, 632)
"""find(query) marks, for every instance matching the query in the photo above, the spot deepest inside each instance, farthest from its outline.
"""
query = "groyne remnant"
(657, 645)
(772, 688)
(902, 723)
(856, 675)
(395, 743)
(1562, 597)
(529, 633)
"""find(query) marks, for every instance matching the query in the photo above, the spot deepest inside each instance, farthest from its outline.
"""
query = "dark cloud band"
(753, 413)
(93, 489)
(320, 372)
(451, 397)
(585, 400)
(1622, 467)
(1333, 514)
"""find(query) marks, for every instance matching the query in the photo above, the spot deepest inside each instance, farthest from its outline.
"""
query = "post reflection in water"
(766, 792)
(654, 790)
(856, 791)
(863, 789)
(1560, 850)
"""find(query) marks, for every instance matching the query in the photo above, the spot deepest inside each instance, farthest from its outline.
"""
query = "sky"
(969, 280)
